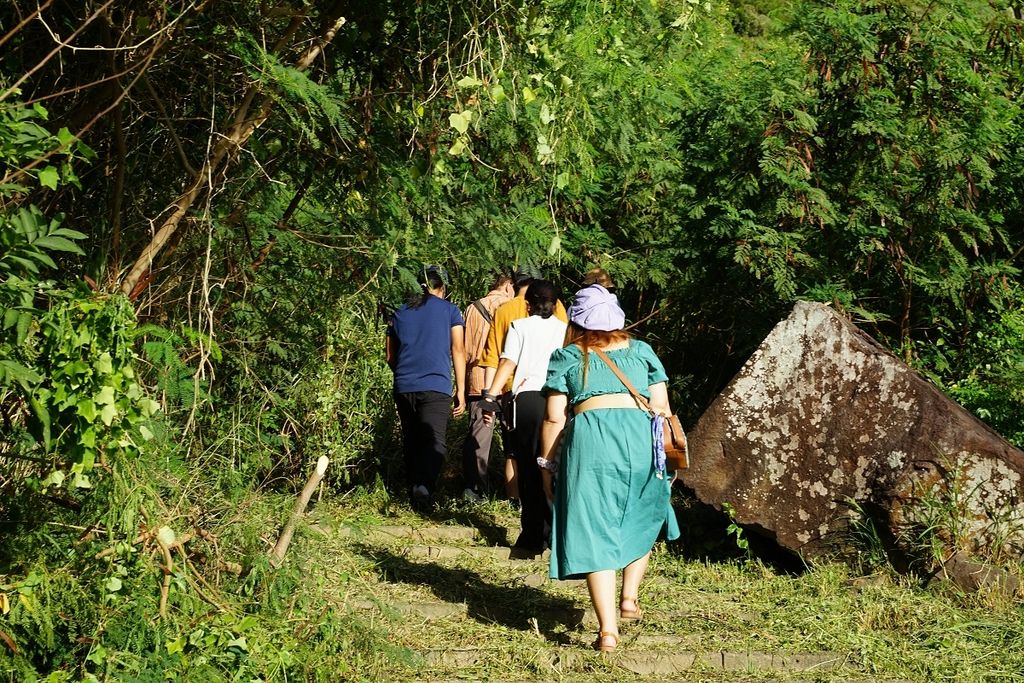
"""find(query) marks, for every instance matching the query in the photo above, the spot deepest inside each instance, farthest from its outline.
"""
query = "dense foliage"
(207, 204)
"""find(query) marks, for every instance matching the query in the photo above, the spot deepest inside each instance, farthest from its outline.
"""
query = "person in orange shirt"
(503, 317)
(476, 449)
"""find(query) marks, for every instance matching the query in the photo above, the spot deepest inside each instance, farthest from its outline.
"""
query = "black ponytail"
(431, 279)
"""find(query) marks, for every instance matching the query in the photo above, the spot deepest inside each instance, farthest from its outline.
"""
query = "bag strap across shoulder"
(483, 311)
(637, 396)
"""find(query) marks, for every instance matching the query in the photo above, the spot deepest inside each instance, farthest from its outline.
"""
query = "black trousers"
(535, 516)
(424, 418)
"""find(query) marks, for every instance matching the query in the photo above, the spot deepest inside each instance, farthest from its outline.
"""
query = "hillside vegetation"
(207, 206)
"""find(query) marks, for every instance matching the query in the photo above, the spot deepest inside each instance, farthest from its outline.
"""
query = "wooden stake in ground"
(277, 555)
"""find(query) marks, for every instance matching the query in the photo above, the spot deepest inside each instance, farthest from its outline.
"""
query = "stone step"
(485, 534)
(452, 552)
(582, 615)
(647, 662)
(436, 611)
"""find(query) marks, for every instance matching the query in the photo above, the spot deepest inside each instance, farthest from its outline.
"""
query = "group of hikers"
(580, 456)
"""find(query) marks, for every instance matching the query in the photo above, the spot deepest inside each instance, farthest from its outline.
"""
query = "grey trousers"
(476, 449)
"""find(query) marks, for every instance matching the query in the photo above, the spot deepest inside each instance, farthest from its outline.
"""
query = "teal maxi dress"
(610, 506)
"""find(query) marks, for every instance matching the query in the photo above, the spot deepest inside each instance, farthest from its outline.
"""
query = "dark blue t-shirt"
(423, 345)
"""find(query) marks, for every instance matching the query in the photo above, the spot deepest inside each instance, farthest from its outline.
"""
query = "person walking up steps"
(503, 317)
(424, 342)
(476, 449)
(528, 346)
(610, 501)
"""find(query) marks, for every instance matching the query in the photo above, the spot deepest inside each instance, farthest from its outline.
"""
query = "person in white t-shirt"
(528, 346)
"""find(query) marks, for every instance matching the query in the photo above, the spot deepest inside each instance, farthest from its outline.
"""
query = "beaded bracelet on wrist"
(549, 465)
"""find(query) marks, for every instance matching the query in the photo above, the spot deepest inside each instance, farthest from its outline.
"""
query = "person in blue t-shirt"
(424, 342)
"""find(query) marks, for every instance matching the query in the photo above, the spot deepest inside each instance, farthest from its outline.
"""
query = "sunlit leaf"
(49, 177)
(108, 414)
(165, 535)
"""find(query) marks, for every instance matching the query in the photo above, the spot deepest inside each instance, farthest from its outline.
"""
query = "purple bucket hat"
(595, 308)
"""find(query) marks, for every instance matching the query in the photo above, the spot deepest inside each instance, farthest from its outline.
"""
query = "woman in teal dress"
(611, 502)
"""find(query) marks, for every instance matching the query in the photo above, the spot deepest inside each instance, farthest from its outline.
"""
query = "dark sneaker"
(420, 500)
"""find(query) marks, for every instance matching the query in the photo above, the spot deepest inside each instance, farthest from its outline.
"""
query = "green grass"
(334, 611)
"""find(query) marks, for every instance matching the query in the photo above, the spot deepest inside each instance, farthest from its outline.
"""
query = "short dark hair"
(541, 297)
(501, 281)
(523, 275)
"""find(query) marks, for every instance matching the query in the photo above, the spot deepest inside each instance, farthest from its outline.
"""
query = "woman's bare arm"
(550, 436)
(659, 398)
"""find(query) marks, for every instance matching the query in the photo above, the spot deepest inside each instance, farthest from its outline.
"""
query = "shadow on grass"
(491, 530)
(511, 606)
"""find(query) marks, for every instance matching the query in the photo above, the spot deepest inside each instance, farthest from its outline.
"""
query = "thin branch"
(646, 318)
(170, 128)
(144, 63)
(39, 10)
(77, 88)
(152, 36)
(55, 50)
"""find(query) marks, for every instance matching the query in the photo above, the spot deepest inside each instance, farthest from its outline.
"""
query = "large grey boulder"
(821, 415)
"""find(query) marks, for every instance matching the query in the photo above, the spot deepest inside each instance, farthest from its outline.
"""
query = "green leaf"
(12, 188)
(86, 409)
(24, 322)
(18, 372)
(113, 584)
(237, 644)
(49, 177)
(460, 121)
(457, 148)
(147, 435)
(11, 316)
(528, 95)
(546, 116)
(86, 151)
(43, 258)
(108, 414)
(57, 244)
(68, 232)
(497, 93)
(149, 406)
(78, 367)
(55, 478)
(23, 262)
(176, 646)
(42, 415)
(469, 82)
(104, 364)
(105, 395)
(41, 111)
(65, 137)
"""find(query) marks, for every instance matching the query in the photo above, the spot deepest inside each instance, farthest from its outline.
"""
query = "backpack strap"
(483, 311)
